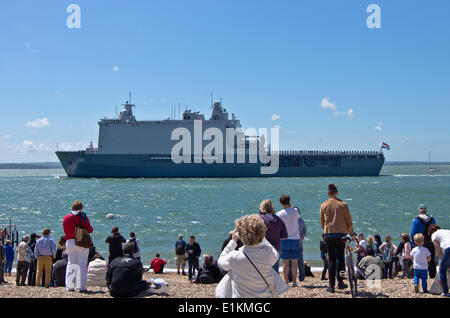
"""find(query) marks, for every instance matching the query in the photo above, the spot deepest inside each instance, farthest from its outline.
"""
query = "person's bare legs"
(286, 270)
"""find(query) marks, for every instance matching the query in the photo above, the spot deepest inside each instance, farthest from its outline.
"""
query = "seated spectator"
(93, 254)
(124, 275)
(157, 264)
(97, 271)
(59, 271)
(366, 266)
(209, 273)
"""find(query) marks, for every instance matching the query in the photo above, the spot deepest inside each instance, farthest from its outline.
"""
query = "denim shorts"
(290, 249)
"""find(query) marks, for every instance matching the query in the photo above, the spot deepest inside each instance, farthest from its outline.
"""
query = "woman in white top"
(249, 280)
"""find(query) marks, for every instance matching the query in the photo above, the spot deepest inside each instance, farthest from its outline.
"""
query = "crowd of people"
(248, 265)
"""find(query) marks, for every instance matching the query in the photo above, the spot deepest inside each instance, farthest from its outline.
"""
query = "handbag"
(82, 236)
(279, 286)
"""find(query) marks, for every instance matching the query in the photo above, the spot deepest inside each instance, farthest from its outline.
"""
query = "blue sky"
(307, 62)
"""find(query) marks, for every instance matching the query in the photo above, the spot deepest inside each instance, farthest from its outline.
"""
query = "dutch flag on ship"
(385, 145)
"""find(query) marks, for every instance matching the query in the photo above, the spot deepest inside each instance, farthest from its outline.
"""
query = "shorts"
(181, 260)
(290, 249)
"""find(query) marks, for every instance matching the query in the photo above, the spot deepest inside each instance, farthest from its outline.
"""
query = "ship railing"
(326, 153)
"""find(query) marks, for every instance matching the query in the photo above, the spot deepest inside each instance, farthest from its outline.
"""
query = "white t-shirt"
(138, 253)
(420, 255)
(363, 244)
(443, 237)
(290, 218)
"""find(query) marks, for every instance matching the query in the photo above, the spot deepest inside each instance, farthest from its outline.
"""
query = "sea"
(157, 210)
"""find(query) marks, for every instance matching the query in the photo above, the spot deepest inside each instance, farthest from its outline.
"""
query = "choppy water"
(158, 209)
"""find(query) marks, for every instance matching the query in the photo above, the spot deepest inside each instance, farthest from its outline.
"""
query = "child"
(421, 257)
(387, 250)
(9, 258)
(370, 244)
(406, 255)
(361, 247)
(324, 257)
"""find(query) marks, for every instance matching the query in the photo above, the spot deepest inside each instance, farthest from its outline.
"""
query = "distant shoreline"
(57, 165)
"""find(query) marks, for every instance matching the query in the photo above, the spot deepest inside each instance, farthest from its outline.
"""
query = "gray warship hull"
(93, 165)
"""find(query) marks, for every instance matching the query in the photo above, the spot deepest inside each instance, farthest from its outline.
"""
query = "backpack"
(206, 277)
(425, 227)
(179, 248)
(82, 236)
(387, 254)
(136, 247)
(29, 253)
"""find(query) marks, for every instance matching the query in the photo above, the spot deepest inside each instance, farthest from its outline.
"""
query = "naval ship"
(128, 148)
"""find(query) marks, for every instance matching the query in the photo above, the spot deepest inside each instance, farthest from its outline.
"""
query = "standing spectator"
(33, 260)
(361, 247)
(157, 264)
(377, 244)
(115, 241)
(387, 249)
(59, 271)
(441, 241)
(137, 245)
(76, 273)
(22, 262)
(370, 244)
(302, 233)
(336, 222)
(406, 255)
(194, 251)
(9, 257)
(45, 253)
(276, 229)
(61, 247)
(324, 257)
(290, 246)
(420, 225)
(2, 262)
(422, 257)
(180, 252)
(124, 275)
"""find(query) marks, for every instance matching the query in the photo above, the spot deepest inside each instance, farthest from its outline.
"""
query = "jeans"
(432, 264)
(325, 267)
(76, 272)
(421, 274)
(21, 272)
(445, 264)
(301, 267)
(336, 260)
(193, 265)
(32, 273)
(8, 267)
(387, 272)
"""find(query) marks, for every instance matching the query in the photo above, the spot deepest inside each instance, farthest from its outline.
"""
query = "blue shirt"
(9, 253)
(302, 230)
(45, 246)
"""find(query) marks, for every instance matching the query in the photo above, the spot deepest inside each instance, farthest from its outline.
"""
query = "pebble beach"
(179, 287)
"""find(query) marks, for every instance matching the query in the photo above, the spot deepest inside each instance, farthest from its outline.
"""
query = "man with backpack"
(420, 224)
(180, 252)
(209, 273)
(137, 245)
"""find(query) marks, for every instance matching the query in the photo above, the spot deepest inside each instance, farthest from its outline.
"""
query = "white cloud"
(38, 123)
(7, 136)
(28, 146)
(115, 68)
(71, 146)
(326, 104)
(277, 126)
(34, 132)
(275, 117)
(379, 126)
